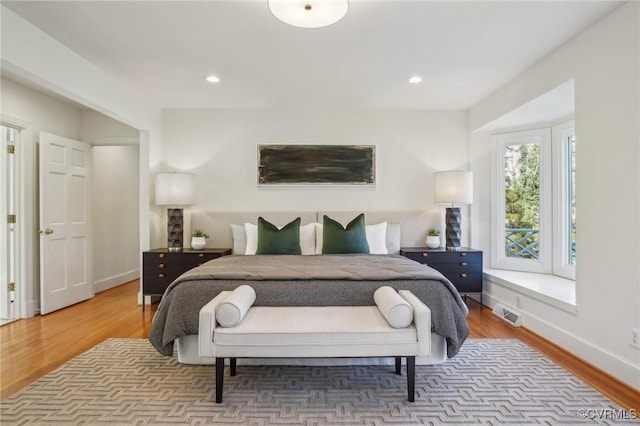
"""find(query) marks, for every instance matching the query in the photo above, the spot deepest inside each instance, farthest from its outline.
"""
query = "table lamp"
(175, 189)
(453, 187)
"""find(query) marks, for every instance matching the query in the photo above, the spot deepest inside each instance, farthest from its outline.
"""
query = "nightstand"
(161, 266)
(462, 267)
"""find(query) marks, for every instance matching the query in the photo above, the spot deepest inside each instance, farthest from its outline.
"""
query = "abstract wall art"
(316, 165)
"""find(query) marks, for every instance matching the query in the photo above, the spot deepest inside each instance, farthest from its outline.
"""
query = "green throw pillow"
(339, 240)
(272, 240)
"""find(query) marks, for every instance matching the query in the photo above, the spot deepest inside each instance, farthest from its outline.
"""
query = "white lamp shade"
(175, 189)
(309, 13)
(454, 187)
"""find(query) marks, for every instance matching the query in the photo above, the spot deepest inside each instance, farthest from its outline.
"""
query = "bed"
(301, 280)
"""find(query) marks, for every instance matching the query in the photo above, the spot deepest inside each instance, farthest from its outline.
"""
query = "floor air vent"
(508, 314)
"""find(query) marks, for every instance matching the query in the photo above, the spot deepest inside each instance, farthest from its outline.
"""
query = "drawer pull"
(463, 275)
(160, 275)
(463, 263)
(425, 254)
(463, 254)
(200, 255)
(161, 255)
(161, 265)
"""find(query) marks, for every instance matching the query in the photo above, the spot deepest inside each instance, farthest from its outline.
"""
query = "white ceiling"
(463, 50)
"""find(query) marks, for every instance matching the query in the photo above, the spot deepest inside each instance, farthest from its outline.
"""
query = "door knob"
(47, 231)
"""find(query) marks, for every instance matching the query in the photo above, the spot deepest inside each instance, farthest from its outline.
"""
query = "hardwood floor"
(33, 347)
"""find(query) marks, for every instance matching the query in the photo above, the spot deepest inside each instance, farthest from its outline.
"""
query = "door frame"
(25, 300)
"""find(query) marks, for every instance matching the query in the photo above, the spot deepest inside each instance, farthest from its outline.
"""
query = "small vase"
(433, 241)
(198, 243)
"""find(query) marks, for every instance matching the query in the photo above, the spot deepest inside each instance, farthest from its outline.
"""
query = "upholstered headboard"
(413, 224)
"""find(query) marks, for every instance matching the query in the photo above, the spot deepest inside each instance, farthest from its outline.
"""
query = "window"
(522, 200)
(534, 194)
(522, 240)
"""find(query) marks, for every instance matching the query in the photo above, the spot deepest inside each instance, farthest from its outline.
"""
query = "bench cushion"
(232, 310)
(393, 307)
(326, 325)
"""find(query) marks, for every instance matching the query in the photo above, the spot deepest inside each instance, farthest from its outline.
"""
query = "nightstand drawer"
(157, 282)
(430, 257)
(167, 269)
(465, 282)
(196, 259)
(178, 258)
(458, 267)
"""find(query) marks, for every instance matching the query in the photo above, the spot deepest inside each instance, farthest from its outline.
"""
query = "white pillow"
(319, 236)
(393, 307)
(377, 238)
(234, 307)
(251, 232)
(308, 239)
(393, 238)
(239, 239)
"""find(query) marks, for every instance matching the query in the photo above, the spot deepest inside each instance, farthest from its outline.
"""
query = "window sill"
(550, 289)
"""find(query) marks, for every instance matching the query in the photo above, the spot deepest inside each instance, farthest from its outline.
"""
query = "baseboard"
(116, 280)
(601, 358)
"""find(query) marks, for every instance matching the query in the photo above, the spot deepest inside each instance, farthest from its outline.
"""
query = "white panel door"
(65, 228)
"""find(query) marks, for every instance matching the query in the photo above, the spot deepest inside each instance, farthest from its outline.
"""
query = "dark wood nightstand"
(161, 266)
(462, 267)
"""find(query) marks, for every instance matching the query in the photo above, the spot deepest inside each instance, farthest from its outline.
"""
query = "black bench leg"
(398, 365)
(411, 378)
(232, 366)
(219, 379)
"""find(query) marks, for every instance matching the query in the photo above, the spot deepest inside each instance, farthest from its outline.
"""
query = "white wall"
(220, 147)
(98, 129)
(46, 113)
(604, 61)
(115, 213)
(116, 205)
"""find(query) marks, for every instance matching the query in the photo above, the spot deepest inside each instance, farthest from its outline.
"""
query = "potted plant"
(198, 239)
(433, 238)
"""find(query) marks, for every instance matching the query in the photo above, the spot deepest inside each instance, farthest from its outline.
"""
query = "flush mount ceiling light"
(309, 13)
(415, 79)
(213, 79)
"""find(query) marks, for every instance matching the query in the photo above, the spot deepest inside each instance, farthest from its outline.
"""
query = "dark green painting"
(316, 164)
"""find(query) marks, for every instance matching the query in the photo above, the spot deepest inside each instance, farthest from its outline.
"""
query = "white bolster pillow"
(233, 308)
(393, 307)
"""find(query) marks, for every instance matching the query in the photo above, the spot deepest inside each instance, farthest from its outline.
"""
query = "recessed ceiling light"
(415, 79)
(213, 79)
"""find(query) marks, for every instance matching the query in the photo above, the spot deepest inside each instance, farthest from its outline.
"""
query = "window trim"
(560, 157)
(498, 259)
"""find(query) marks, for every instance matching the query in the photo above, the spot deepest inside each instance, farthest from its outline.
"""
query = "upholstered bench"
(398, 326)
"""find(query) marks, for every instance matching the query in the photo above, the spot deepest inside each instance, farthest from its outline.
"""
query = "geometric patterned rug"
(491, 381)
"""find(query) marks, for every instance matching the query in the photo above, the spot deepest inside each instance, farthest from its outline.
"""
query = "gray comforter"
(294, 280)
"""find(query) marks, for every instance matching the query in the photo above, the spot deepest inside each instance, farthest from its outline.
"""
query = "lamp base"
(452, 231)
(174, 229)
